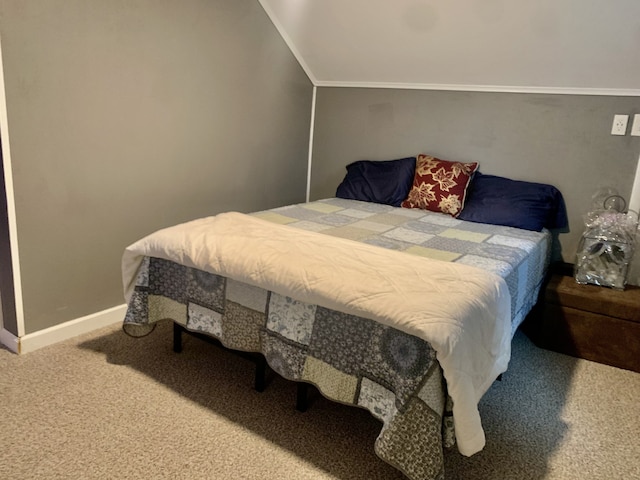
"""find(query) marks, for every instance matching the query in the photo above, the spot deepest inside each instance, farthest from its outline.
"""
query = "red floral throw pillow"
(439, 185)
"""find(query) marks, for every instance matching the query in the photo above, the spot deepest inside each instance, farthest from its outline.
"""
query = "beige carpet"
(106, 406)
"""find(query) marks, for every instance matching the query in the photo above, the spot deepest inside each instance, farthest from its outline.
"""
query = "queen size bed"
(406, 312)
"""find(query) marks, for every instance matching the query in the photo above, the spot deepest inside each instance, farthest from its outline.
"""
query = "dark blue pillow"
(387, 181)
(514, 203)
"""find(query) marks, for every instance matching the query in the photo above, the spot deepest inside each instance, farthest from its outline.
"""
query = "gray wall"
(563, 140)
(125, 117)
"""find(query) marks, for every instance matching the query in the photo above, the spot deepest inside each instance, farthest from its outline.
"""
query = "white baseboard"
(9, 340)
(64, 331)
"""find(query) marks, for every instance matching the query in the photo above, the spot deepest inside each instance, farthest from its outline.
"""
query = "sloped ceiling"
(581, 46)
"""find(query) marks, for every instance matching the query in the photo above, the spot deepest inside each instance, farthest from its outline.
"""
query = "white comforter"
(462, 311)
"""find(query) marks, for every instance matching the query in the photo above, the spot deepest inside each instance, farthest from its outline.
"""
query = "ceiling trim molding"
(288, 41)
(485, 88)
(615, 92)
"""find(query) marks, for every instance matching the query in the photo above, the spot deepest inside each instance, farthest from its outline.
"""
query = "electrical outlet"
(619, 125)
(635, 128)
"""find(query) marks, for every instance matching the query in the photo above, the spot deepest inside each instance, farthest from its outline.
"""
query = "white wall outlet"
(635, 128)
(619, 125)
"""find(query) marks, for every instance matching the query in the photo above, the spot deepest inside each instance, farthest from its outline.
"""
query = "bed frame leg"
(302, 397)
(177, 337)
(260, 382)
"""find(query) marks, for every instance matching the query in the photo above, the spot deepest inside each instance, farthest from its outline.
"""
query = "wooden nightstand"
(590, 322)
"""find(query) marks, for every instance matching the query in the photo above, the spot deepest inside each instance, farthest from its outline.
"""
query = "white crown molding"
(65, 331)
(485, 88)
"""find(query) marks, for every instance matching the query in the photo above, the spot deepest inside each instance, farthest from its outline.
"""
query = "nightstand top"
(623, 304)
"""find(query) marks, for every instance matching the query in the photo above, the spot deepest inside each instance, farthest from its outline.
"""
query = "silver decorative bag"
(607, 245)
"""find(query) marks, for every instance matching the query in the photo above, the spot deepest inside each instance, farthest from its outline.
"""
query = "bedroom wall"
(125, 117)
(563, 140)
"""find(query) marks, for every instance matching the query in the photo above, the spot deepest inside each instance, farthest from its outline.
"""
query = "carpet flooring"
(107, 406)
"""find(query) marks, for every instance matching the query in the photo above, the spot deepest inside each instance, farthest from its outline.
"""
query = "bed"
(399, 309)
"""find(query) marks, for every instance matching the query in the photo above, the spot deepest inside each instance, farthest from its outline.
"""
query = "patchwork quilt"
(350, 358)
(519, 256)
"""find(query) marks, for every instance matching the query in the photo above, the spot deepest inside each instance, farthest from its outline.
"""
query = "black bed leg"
(177, 337)
(302, 397)
(261, 372)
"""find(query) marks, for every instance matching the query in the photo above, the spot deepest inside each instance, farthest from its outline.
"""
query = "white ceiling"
(581, 46)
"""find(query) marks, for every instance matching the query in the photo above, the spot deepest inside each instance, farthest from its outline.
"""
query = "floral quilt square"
(340, 339)
(142, 279)
(284, 357)
(290, 318)
(241, 328)
(201, 319)
(408, 441)
(167, 279)
(378, 400)
(398, 361)
(206, 289)
(138, 309)
(432, 392)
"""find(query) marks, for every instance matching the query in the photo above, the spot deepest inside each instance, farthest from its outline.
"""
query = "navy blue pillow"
(387, 181)
(514, 203)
